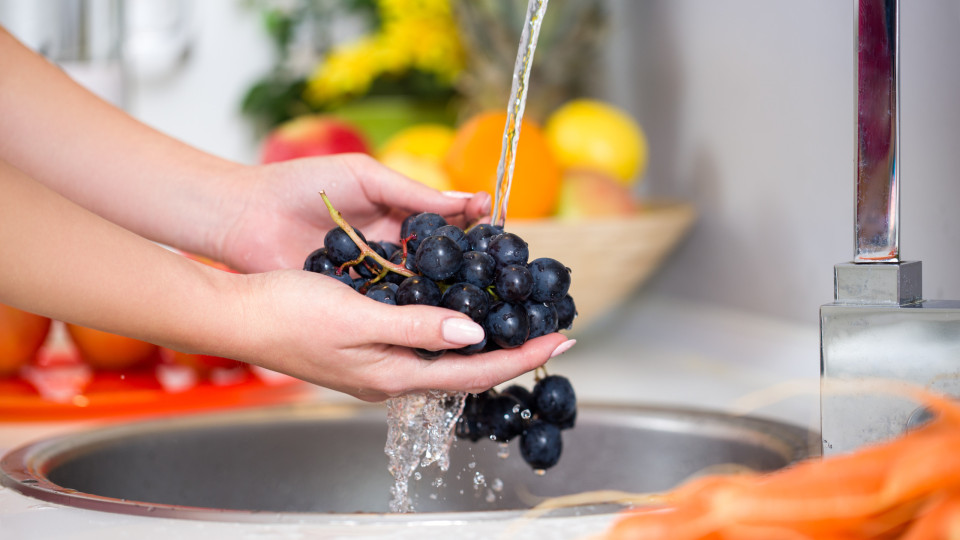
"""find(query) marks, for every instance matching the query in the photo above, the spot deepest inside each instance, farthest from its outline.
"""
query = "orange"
(21, 336)
(110, 352)
(471, 163)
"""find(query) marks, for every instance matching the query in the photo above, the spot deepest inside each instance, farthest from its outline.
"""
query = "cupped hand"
(278, 217)
(317, 329)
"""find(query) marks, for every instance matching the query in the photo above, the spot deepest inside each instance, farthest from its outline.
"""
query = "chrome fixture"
(879, 326)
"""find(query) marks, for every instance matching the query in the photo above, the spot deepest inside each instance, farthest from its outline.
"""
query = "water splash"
(419, 434)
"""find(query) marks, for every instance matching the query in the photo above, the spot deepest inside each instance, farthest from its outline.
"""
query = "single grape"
(480, 235)
(477, 268)
(383, 292)
(438, 257)
(319, 262)
(555, 399)
(340, 247)
(551, 279)
(423, 226)
(454, 233)
(475, 348)
(405, 226)
(427, 354)
(388, 247)
(374, 266)
(342, 278)
(523, 396)
(569, 422)
(541, 445)
(542, 318)
(506, 325)
(418, 290)
(566, 312)
(508, 248)
(397, 258)
(513, 283)
(467, 299)
(501, 415)
(469, 425)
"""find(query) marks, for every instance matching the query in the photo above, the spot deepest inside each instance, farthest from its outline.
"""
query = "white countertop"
(654, 350)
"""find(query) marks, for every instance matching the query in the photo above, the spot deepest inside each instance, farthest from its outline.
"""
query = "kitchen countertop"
(652, 350)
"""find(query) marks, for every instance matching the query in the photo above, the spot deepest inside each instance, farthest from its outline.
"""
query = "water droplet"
(472, 464)
(417, 475)
(497, 485)
(491, 496)
(526, 414)
(479, 480)
(516, 408)
(433, 496)
(503, 451)
(438, 482)
(539, 472)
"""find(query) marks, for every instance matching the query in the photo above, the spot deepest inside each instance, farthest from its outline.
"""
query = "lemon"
(429, 141)
(423, 170)
(591, 134)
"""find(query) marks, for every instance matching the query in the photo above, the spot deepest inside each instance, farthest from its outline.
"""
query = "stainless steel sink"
(326, 463)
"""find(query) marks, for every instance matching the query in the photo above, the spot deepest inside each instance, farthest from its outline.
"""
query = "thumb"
(425, 327)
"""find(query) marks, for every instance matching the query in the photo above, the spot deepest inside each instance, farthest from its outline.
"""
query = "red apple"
(21, 336)
(591, 193)
(313, 135)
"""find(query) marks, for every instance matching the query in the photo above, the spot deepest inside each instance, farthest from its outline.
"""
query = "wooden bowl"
(608, 257)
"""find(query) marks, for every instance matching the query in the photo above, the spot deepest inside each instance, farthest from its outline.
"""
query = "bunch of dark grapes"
(483, 272)
(536, 417)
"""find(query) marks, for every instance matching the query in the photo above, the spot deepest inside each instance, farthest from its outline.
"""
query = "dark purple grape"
(342, 278)
(541, 445)
(319, 262)
(389, 247)
(479, 236)
(478, 268)
(340, 247)
(427, 354)
(555, 399)
(506, 325)
(405, 226)
(523, 396)
(397, 258)
(470, 425)
(369, 267)
(569, 422)
(542, 318)
(501, 415)
(454, 233)
(551, 279)
(418, 290)
(566, 313)
(383, 292)
(475, 348)
(423, 226)
(508, 248)
(513, 283)
(438, 257)
(467, 299)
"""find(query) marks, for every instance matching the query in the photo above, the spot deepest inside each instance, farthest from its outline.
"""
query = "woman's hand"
(317, 329)
(279, 217)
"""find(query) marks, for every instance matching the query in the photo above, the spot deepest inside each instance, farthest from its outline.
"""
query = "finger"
(417, 327)
(387, 187)
(481, 372)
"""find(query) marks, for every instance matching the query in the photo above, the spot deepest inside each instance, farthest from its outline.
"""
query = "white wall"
(749, 108)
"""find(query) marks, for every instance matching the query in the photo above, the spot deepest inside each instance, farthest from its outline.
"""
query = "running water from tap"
(420, 425)
(518, 100)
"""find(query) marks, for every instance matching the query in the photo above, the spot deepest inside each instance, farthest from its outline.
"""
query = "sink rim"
(24, 469)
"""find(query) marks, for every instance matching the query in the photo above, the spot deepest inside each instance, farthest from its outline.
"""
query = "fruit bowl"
(609, 257)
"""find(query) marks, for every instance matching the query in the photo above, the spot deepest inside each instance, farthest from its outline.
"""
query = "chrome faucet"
(879, 326)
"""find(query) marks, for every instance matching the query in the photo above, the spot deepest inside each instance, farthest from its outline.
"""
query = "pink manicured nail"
(458, 194)
(563, 347)
(460, 331)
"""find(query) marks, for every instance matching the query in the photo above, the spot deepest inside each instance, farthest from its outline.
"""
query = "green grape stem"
(365, 250)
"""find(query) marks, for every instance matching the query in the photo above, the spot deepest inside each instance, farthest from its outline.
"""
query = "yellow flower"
(415, 34)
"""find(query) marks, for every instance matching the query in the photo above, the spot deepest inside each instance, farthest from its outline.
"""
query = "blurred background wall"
(747, 105)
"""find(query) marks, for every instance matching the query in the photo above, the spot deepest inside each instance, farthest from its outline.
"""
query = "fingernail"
(487, 203)
(458, 194)
(563, 347)
(461, 331)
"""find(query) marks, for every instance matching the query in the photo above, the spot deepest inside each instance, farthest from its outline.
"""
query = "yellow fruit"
(429, 141)
(423, 170)
(586, 133)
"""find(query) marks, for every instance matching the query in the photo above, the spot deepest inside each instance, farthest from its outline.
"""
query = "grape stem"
(365, 250)
(537, 373)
